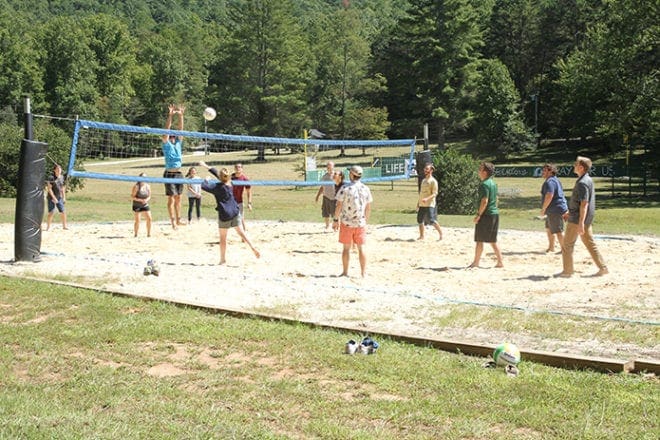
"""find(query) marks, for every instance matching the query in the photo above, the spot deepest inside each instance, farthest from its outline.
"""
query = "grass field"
(79, 364)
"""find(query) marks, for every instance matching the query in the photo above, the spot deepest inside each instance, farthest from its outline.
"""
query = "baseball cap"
(356, 170)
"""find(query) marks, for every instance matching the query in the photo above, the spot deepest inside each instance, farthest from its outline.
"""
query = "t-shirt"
(57, 185)
(328, 190)
(557, 205)
(488, 189)
(225, 203)
(583, 190)
(428, 187)
(354, 198)
(238, 189)
(172, 154)
(194, 189)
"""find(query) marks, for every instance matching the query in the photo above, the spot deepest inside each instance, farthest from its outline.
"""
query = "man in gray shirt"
(580, 216)
(328, 192)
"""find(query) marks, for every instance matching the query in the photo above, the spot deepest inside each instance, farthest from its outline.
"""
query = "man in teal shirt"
(172, 152)
(487, 220)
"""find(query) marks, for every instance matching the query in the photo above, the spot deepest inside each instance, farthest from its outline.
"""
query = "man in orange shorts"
(353, 206)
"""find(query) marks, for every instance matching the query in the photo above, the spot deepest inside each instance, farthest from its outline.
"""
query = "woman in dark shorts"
(487, 220)
(140, 196)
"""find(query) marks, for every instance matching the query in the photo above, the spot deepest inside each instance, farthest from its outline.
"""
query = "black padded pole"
(30, 201)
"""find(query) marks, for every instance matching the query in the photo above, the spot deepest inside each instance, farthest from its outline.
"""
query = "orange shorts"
(348, 235)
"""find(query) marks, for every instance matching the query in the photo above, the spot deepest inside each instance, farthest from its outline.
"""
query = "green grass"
(79, 364)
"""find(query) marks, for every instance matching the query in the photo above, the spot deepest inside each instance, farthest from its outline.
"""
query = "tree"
(116, 65)
(340, 100)
(427, 62)
(610, 83)
(20, 73)
(69, 67)
(261, 73)
(497, 120)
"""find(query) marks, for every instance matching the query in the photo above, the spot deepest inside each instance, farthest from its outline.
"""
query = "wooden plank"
(647, 366)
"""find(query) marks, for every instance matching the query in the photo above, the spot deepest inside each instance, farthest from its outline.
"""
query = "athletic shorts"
(52, 205)
(139, 207)
(349, 235)
(173, 189)
(555, 223)
(427, 215)
(226, 224)
(486, 230)
(328, 207)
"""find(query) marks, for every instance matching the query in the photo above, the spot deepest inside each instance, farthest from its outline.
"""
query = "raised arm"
(168, 122)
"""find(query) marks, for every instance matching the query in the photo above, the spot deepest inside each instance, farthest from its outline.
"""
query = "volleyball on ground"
(506, 354)
(209, 113)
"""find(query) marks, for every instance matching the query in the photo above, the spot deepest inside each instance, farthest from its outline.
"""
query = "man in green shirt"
(487, 220)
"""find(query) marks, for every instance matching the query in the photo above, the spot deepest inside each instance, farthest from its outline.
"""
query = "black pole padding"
(30, 201)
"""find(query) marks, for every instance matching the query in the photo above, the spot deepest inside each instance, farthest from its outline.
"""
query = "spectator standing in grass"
(194, 195)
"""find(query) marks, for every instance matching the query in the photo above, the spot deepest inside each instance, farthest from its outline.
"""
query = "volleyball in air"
(209, 113)
(506, 354)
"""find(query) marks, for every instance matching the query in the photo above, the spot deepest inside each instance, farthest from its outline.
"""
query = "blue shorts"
(427, 215)
(52, 205)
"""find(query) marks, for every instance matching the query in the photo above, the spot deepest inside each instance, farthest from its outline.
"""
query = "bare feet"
(256, 253)
(473, 266)
(602, 272)
(564, 275)
(499, 264)
(222, 262)
(550, 249)
(342, 275)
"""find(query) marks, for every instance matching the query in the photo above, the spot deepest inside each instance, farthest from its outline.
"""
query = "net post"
(30, 201)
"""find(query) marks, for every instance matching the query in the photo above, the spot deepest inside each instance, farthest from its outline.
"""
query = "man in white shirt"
(352, 210)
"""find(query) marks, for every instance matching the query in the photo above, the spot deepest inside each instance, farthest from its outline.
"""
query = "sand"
(410, 286)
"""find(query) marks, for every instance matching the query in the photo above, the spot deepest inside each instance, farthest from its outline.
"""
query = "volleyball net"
(119, 152)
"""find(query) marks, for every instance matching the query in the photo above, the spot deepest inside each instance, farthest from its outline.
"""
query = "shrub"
(457, 181)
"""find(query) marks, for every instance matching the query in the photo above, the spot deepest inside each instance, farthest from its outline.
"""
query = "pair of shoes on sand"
(151, 268)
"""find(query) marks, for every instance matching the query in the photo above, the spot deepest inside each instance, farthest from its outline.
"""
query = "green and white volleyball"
(209, 113)
(506, 354)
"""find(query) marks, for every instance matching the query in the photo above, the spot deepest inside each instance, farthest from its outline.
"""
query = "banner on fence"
(562, 171)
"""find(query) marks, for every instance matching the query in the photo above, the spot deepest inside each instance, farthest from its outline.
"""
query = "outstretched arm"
(168, 122)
